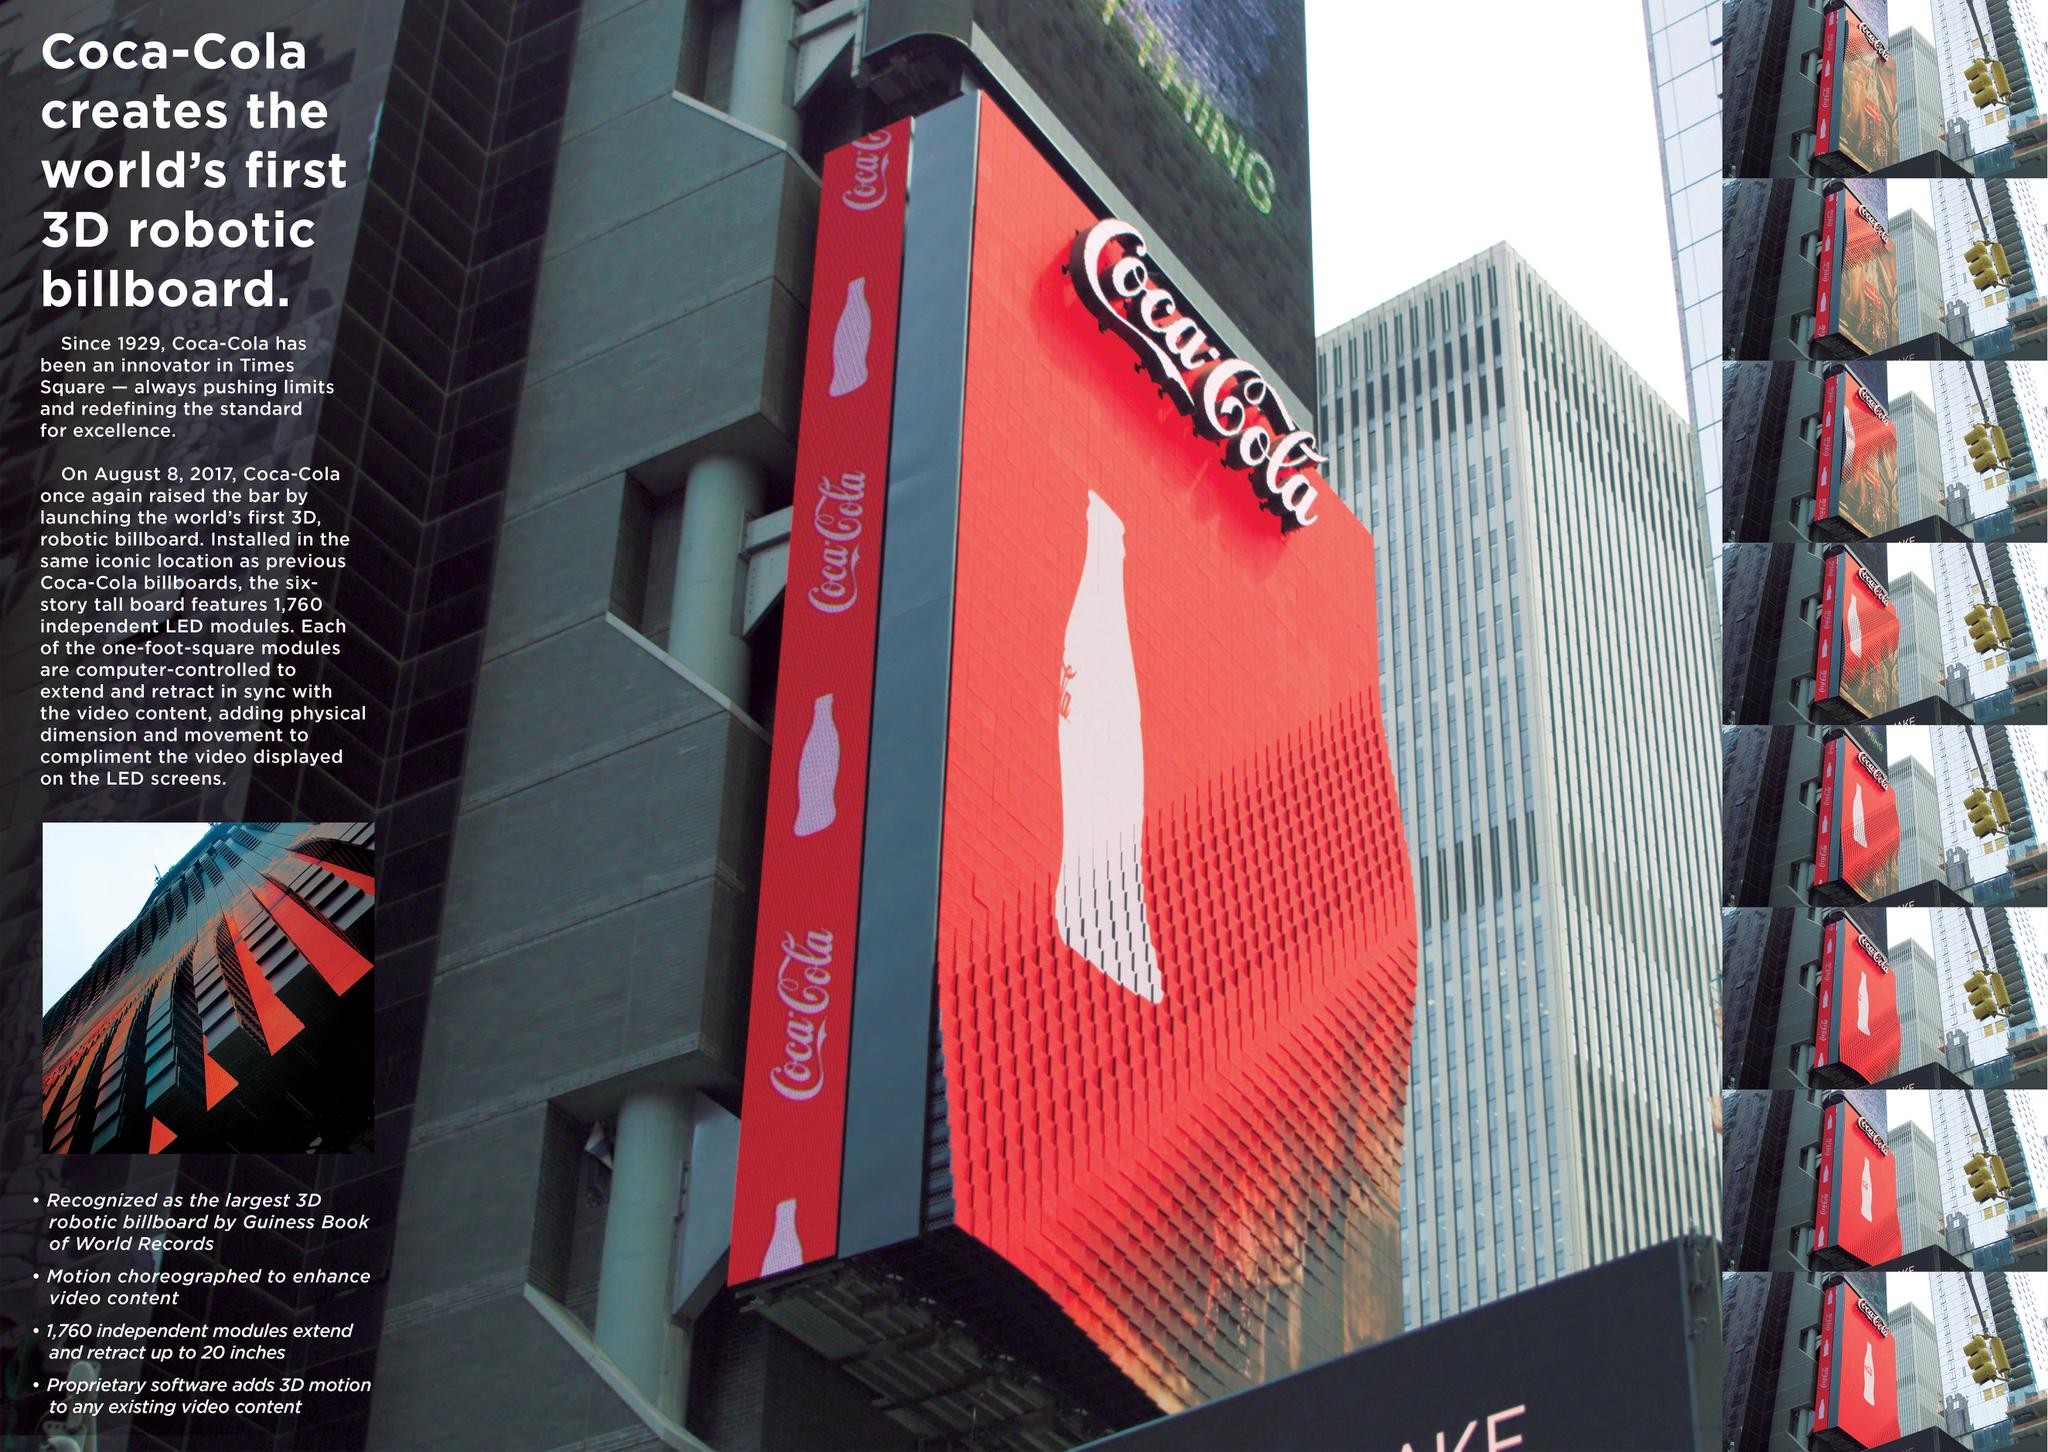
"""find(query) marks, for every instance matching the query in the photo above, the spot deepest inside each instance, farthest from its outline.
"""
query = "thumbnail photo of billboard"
(1858, 1021)
(1856, 479)
(233, 1012)
(1856, 652)
(1857, 840)
(1857, 1208)
(1856, 289)
(1857, 1375)
(1857, 115)
(1196, 110)
(1176, 950)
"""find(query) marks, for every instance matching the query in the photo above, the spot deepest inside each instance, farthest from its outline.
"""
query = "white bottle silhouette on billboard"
(1863, 1007)
(817, 771)
(850, 341)
(1869, 1376)
(1856, 817)
(1099, 903)
(1855, 625)
(785, 1251)
(1868, 1213)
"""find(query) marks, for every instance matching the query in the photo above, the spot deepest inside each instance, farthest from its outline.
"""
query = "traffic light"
(1987, 81)
(1987, 446)
(1988, 265)
(1988, 999)
(1988, 630)
(1986, 1357)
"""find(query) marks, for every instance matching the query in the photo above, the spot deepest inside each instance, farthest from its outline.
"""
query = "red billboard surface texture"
(1177, 943)
(1858, 1023)
(1856, 1386)
(1857, 652)
(1857, 841)
(1866, 458)
(1857, 115)
(786, 1200)
(1857, 1205)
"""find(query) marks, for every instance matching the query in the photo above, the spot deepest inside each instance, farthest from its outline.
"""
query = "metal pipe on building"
(720, 496)
(650, 1146)
(760, 69)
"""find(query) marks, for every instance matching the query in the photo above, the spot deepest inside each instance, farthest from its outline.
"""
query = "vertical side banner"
(1824, 835)
(1824, 649)
(1824, 270)
(1824, 112)
(792, 1125)
(1824, 477)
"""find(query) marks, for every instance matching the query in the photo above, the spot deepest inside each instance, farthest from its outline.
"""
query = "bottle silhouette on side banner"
(817, 772)
(1099, 903)
(1854, 622)
(1863, 1004)
(1869, 1376)
(1856, 817)
(785, 1251)
(1868, 1208)
(850, 341)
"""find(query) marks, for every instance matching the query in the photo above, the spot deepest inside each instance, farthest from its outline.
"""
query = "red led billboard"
(1856, 842)
(1856, 1389)
(1857, 115)
(1857, 1203)
(1858, 1020)
(1176, 936)
(1856, 290)
(1857, 478)
(1856, 654)
(786, 1200)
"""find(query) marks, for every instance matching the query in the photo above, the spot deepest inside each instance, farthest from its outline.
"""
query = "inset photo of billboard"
(1890, 452)
(1814, 91)
(206, 987)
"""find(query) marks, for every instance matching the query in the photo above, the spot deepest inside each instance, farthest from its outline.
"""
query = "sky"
(96, 876)
(1436, 132)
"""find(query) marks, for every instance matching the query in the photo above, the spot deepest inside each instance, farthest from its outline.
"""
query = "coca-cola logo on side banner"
(837, 518)
(804, 984)
(1229, 400)
(870, 173)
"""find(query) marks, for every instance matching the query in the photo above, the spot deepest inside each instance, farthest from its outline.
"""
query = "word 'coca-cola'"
(1229, 399)
(804, 984)
(836, 516)
(870, 173)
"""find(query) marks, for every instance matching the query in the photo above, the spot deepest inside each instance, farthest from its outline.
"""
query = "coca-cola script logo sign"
(804, 984)
(870, 173)
(1229, 399)
(836, 516)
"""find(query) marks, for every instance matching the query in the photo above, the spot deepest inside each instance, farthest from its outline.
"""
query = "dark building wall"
(1768, 282)
(599, 912)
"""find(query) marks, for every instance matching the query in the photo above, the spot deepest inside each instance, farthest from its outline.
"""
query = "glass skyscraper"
(1685, 66)
(1540, 551)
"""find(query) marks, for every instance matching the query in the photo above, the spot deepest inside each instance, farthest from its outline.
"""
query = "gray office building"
(1562, 1091)
(1920, 1024)
(1921, 126)
(1922, 494)
(1919, 823)
(1919, 1174)
(1919, 1359)
(1919, 262)
(1920, 667)
(1684, 39)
